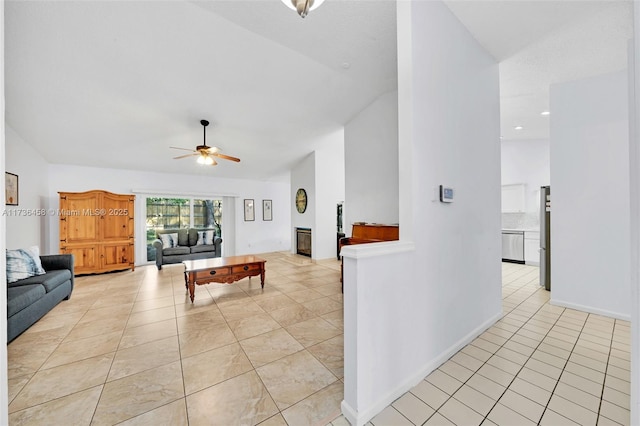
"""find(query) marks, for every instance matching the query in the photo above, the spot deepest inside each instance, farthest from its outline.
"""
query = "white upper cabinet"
(513, 198)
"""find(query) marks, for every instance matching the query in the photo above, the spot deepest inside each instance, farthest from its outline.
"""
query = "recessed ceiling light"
(346, 65)
(518, 127)
(545, 113)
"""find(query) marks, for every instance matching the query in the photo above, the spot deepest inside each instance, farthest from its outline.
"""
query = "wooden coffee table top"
(218, 262)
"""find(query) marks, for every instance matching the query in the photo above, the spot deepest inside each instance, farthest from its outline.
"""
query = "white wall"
(4, 389)
(447, 283)
(371, 152)
(634, 173)
(590, 222)
(526, 162)
(262, 236)
(330, 190)
(25, 229)
(248, 237)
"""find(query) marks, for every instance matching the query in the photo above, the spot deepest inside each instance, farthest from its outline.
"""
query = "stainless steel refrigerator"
(545, 237)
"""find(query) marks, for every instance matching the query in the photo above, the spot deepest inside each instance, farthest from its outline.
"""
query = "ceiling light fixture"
(205, 159)
(545, 113)
(518, 127)
(303, 7)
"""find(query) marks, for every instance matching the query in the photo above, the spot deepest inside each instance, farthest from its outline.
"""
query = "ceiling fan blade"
(226, 157)
(184, 149)
(185, 156)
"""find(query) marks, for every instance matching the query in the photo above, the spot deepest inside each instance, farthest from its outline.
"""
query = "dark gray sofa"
(186, 249)
(30, 299)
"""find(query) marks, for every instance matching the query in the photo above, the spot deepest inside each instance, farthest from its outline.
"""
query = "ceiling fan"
(204, 152)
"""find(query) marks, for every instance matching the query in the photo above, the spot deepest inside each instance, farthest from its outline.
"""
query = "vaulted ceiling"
(115, 84)
(539, 43)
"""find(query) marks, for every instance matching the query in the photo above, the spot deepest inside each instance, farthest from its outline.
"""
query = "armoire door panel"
(118, 218)
(85, 258)
(80, 216)
(116, 256)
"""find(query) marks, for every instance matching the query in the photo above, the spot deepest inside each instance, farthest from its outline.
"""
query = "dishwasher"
(513, 246)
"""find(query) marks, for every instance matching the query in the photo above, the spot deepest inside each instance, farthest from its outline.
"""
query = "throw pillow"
(23, 263)
(205, 237)
(169, 240)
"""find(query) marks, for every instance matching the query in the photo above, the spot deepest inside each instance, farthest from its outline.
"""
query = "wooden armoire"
(97, 228)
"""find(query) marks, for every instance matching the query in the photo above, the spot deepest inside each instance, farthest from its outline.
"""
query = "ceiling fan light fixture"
(303, 7)
(205, 154)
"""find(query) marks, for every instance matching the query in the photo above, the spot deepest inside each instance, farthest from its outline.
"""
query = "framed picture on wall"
(266, 210)
(10, 189)
(249, 213)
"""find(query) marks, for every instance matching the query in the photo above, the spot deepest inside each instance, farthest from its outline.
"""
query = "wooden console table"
(221, 270)
(363, 233)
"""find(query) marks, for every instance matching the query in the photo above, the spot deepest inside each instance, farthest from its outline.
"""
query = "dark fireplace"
(303, 241)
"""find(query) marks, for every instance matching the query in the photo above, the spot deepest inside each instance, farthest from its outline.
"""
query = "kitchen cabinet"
(97, 228)
(513, 198)
(532, 247)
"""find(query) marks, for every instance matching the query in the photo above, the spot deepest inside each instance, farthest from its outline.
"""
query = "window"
(176, 213)
(207, 214)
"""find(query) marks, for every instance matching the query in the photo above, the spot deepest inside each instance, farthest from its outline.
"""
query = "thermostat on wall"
(446, 194)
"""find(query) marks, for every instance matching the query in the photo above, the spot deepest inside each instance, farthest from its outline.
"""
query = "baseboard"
(360, 418)
(349, 413)
(589, 309)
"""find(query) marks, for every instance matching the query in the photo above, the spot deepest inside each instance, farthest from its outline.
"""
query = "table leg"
(186, 280)
(192, 287)
(262, 277)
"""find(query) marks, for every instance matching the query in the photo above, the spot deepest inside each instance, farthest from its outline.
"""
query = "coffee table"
(221, 270)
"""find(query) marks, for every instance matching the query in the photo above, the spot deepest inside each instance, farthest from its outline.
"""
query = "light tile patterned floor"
(129, 348)
(540, 364)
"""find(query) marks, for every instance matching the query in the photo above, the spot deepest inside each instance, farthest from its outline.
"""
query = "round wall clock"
(301, 200)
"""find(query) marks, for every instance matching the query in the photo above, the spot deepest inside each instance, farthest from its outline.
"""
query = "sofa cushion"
(183, 235)
(193, 236)
(23, 263)
(20, 297)
(206, 237)
(203, 248)
(50, 280)
(175, 250)
(169, 240)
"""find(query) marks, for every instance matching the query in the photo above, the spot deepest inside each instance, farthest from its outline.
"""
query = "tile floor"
(540, 364)
(129, 348)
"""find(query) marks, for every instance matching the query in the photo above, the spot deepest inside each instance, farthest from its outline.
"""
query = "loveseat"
(29, 299)
(191, 244)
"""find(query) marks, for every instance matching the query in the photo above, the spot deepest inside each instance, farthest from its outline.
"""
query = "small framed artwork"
(249, 213)
(10, 189)
(266, 210)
